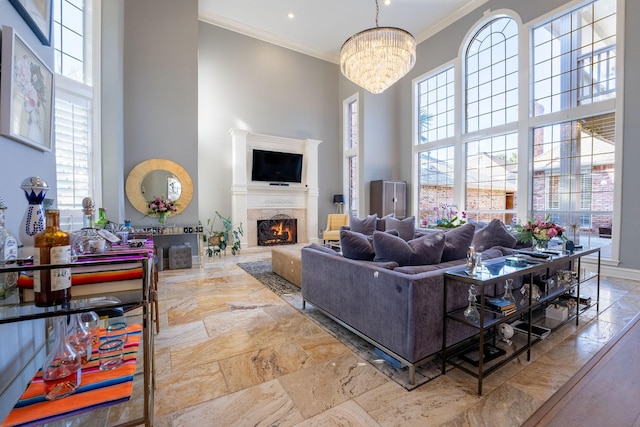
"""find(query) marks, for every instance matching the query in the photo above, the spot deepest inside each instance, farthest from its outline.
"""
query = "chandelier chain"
(377, 13)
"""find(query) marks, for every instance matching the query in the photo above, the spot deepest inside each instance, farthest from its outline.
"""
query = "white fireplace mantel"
(252, 200)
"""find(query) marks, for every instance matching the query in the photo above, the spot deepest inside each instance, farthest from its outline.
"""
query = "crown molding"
(255, 33)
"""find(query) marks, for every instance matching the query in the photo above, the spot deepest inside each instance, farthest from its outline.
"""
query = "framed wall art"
(26, 93)
(38, 14)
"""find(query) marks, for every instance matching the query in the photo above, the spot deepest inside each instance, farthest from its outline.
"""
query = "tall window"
(567, 112)
(492, 75)
(436, 121)
(74, 139)
(574, 63)
(351, 154)
(492, 106)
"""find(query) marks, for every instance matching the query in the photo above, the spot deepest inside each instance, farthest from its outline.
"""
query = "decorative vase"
(540, 245)
(35, 189)
(162, 218)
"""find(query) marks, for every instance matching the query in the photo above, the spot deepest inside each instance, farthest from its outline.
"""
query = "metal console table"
(527, 309)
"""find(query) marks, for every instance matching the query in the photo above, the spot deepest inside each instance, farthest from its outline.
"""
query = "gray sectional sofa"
(399, 309)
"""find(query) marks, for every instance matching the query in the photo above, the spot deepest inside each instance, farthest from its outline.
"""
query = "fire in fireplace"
(278, 230)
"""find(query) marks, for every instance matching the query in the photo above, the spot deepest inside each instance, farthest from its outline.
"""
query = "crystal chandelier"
(378, 57)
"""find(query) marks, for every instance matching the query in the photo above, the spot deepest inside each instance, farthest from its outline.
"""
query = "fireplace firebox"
(278, 230)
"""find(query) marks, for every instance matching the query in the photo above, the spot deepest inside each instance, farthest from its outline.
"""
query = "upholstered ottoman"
(285, 262)
(179, 257)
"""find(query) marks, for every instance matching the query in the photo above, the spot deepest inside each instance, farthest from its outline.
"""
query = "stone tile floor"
(232, 353)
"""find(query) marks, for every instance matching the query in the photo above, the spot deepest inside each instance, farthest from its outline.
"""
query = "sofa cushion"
(365, 226)
(422, 251)
(321, 248)
(494, 234)
(406, 227)
(457, 242)
(416, 269)
(356, 245)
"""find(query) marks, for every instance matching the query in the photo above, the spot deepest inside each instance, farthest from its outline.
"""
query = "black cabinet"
(388, 197)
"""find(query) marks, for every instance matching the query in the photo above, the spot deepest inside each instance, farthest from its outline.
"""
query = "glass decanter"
(508, 294)
(91, 322)
(61, 371)
(471, 313)
(80, 338)
(471, 260)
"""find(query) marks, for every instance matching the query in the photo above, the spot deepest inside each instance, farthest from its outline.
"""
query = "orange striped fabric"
(97, 389)
(25, 281)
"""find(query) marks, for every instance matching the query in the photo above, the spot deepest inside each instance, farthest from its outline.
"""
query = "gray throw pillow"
(494, 234)
(424, 250)
(356, 246)
(457, 242)
(381, 223)
(365, 226)
(405, 227)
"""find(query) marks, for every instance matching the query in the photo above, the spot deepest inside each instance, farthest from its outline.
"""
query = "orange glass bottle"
(53, 246)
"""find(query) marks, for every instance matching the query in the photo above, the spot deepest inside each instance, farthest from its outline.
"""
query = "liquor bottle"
(102, 220)
(52, 287)
(8, 252)
(61, 371)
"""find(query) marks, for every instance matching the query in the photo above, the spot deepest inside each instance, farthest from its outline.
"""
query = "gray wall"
(249, 84)
(630, 172)
(161, 91)
(20, 161)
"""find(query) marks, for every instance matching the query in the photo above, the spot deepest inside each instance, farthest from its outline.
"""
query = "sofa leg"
(304, 304)
(412, 374)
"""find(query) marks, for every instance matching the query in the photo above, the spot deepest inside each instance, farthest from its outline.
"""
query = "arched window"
(492, 75)
(491, 95)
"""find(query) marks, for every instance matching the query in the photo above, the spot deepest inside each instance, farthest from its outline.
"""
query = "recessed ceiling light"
(291, 15)
(387, 2)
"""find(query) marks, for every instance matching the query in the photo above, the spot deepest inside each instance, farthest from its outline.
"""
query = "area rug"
(290, 293)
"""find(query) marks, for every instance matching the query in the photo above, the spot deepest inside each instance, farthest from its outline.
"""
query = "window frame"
(69, 88)
(527, 121)
(351, 153)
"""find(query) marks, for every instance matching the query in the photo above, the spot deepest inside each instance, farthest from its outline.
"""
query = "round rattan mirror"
(158, 177)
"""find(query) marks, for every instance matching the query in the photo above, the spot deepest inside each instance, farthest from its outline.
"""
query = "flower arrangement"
(447, 216)
(539, 230)
(159, 206)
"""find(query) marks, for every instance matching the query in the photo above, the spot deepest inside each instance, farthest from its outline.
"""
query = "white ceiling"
(319, 27)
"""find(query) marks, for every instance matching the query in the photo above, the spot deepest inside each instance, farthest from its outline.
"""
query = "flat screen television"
(274, 166)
